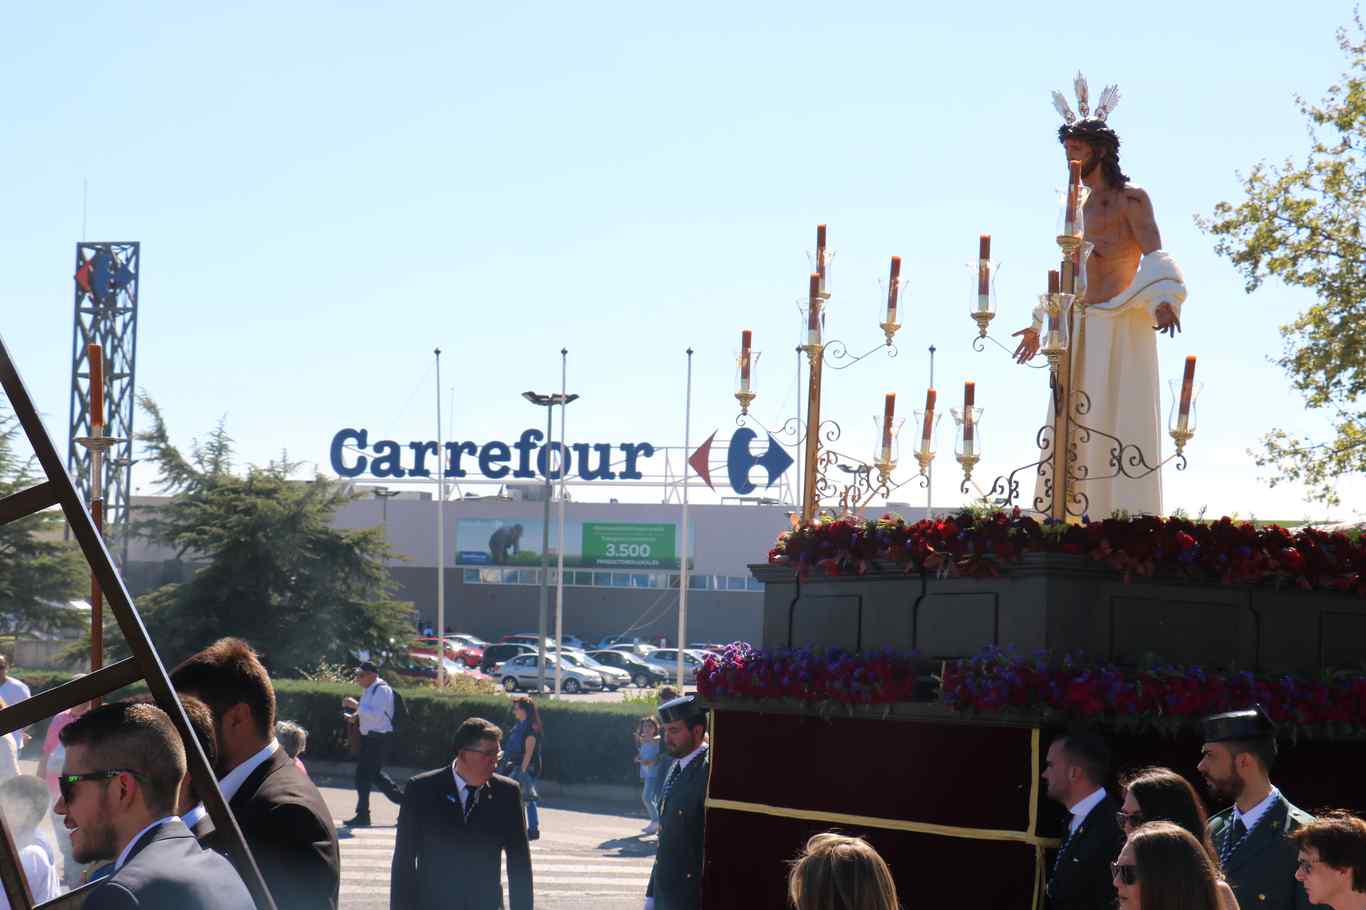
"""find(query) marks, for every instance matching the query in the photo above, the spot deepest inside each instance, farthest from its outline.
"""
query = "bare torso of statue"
(1114, 220)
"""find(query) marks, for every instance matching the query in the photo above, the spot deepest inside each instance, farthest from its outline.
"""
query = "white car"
(520, 673)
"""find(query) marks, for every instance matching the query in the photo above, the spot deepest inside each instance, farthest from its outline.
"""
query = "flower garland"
(1066, 687)
(977, 544)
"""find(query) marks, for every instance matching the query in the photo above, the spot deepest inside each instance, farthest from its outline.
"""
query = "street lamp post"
(548, 402)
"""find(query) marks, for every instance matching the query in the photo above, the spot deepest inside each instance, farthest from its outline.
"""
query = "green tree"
(1302, 223)
(40, 572)
(271, 568)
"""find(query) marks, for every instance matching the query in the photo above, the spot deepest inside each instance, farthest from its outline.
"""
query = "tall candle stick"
(813, 314)
(745, 338)
(1073, 193)
(1187, 387)
(927, 431)
(820, 254)
(893, 285)
(888, 409)
(984, 273)
(969, 395)
(95, 354)
(1052, 281)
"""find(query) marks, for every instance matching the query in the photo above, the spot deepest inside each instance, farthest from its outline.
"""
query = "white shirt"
(1083, 808)
(1254, 815)
(193, 817)
(14, 691)
(41, 875)
(376, 709)
(128, 848)
(461, 786)
(233, 780)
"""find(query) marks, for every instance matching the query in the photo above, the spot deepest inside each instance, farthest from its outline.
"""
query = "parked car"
(638, 648)
(667, 659)
(416, 666)
(612, 678)
(642, 673)
(468, 641)
(526, 638)
(471, 657)
(520, 673)
(706, 646)
(497, 654)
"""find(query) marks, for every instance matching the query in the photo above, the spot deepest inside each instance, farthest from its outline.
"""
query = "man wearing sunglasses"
(454, 826)
(118, 786)
(1251, 836)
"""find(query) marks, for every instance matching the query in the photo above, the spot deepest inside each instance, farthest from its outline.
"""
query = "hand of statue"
(1029, 344)
(1167, 323)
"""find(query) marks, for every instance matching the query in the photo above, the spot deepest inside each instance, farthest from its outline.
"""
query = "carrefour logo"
(741, 460)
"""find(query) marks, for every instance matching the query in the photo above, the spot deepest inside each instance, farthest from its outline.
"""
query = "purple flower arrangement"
(810, 675)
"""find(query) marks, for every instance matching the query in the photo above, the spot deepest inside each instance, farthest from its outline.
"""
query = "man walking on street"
(375, 715)
(676, 880)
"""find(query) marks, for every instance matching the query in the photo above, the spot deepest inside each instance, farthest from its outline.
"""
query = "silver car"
(667, 660)
(520, 673)
(612, 677)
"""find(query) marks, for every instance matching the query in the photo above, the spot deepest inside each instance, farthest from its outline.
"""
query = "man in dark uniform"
(676, 880)
(1076, 768)
(1258, 858)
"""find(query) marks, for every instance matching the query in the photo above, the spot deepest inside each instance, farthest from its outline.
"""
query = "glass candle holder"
(1071, 226)
(821, 264)
(982, 299)
(746, 377)
(1181, 421)
(813, 322)
(1054, 338)
(926, 425)
(968, 438)
(887, 449)
(890, 305)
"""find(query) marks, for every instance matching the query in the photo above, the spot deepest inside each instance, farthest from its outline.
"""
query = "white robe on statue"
(1114, 361)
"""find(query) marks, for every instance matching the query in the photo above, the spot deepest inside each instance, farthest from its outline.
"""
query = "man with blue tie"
(1251, 836)
(1076, 768)
(454, 826)
(676, 880)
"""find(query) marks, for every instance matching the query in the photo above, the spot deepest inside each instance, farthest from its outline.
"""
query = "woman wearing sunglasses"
(1163, 867)
(1162, 795)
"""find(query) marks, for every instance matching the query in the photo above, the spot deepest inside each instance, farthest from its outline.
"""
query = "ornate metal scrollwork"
(979, 344)
(836, 356)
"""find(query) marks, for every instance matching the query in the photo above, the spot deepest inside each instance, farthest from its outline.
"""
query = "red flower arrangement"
(976, 544)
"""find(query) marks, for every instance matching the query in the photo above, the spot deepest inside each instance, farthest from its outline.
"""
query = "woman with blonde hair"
(836, 872)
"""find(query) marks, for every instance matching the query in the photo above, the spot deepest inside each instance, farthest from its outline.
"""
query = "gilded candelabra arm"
(836, 354)
(1005, 489)
(792, 432)
(979, 344)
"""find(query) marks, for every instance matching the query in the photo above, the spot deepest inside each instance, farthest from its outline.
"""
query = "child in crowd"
(647, 756)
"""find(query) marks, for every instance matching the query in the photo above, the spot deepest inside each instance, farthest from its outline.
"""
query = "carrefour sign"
(355, 454)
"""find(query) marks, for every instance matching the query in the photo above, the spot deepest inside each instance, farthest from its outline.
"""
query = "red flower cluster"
(975, 545)
(809, 675)
(999, 681)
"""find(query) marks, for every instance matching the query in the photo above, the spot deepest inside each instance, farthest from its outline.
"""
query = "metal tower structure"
(107, 315)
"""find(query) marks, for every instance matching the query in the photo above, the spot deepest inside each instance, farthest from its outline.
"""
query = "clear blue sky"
(325, 192)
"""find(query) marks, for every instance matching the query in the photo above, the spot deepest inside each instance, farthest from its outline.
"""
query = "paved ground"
(588, 855)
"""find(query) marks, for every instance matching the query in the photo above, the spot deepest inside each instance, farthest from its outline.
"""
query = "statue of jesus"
(1132, 292)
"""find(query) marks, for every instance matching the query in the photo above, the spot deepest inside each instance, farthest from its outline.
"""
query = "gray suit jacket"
(168, 870)
(1261, 870)
(676, 881)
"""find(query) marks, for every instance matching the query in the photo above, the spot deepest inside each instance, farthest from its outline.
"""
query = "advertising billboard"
(588, 544)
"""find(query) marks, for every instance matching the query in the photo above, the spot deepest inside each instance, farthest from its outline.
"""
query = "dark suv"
(496, 654)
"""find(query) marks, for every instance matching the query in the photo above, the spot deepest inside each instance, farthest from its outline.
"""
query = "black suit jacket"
(443, 863)
(168, 870)
(1081, 878)
(676, 880)
(290, 832)
(1261, 869)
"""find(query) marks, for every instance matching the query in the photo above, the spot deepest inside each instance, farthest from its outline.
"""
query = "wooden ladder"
(145, 664)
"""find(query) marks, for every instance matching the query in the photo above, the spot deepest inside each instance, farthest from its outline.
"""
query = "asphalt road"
(588, 855)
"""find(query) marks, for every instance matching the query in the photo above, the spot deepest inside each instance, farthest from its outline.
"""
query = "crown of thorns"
(1109, 100)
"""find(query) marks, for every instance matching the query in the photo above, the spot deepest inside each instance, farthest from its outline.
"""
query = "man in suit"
(282, 815)
(676, 880)
(454, 825)
(118, 784)
(1251, 836)
(1075, 770)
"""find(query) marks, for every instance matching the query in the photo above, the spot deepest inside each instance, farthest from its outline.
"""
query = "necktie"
(669, 784)
(471, 797)
(1062, 848)
(1235, 838)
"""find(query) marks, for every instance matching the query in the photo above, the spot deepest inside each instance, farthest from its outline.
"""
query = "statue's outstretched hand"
(1167, 323)
(1029, 344)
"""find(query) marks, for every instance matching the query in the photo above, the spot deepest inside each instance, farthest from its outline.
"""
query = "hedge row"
(586, 742)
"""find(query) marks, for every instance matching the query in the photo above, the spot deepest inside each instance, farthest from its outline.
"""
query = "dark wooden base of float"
(1066, 603)
(954, 805)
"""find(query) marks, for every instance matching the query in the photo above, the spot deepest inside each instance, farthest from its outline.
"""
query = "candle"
(1073, 193)
(969, 395)
(892, 286)
(820, 253)
(813, 313)
(95, 354)
(984, 274)
(745, 338)
(1052, 281)
(1187, 387)
(888, 409)
(927, 431)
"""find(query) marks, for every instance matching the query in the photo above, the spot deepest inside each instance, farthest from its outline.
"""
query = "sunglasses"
(1127, 873)
(66, 783)
(1126, 819)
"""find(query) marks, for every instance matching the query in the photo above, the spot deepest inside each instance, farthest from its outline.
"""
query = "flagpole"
(683, 547)
(440, 534)
(559, 564)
